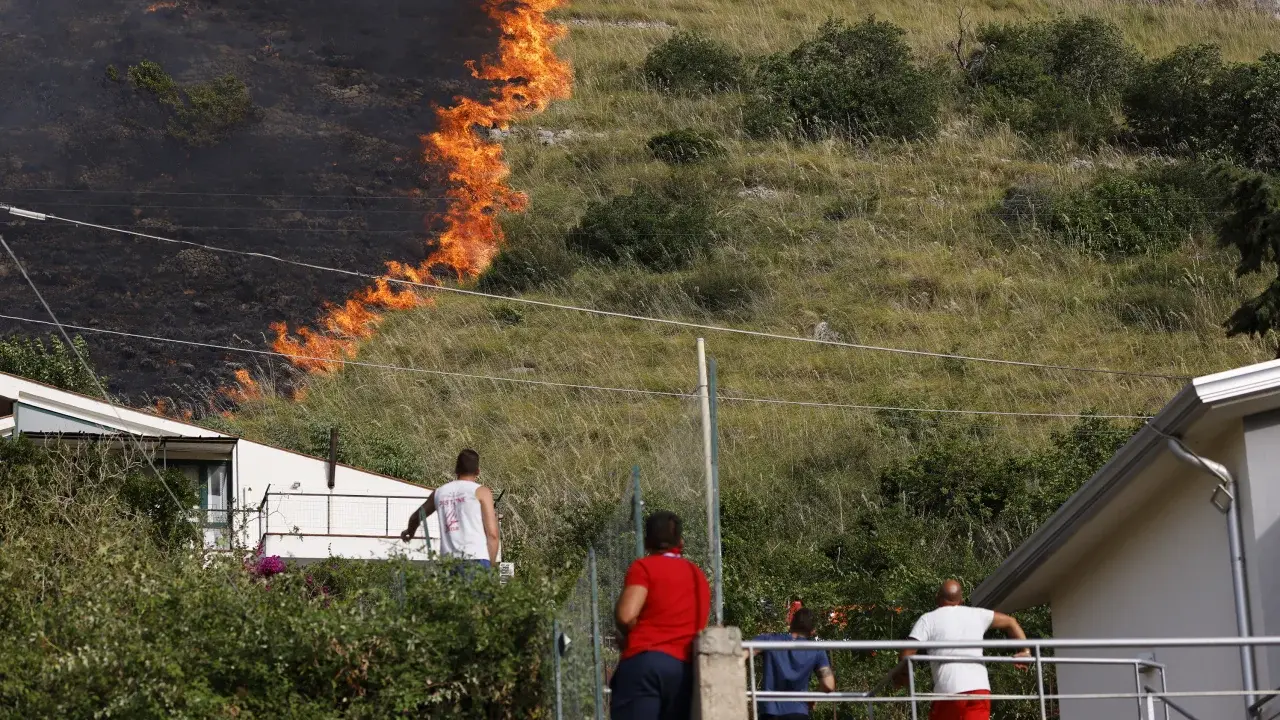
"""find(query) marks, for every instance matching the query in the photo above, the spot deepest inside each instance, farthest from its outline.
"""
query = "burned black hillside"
(324, 167)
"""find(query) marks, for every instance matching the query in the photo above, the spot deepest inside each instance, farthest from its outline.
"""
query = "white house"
(293, 505)
(1144, 550)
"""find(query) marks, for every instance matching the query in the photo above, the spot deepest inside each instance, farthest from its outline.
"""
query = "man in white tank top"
(955, 621)
(468, 520)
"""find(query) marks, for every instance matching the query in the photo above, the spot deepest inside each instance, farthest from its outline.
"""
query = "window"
(213, 478)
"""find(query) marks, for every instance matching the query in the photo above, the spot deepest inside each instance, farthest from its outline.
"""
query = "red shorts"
(979, 708)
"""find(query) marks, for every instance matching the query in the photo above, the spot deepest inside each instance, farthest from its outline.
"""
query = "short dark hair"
(662, 531)
(802, 623)
(468, 463)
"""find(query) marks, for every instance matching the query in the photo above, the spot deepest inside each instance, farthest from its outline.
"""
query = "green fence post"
(637, 510)
(717, 569)
(595, 634)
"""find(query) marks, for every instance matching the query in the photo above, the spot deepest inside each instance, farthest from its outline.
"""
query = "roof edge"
(1136, 454)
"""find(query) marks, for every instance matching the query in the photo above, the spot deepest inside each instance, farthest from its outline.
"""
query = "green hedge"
(99, 619)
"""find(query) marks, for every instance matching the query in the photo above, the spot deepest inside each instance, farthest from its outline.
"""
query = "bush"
(855, 81)
(1250, 106)
(53, 364)
(1251, 226)
(1120, 213)
(1066, 76)
(725, 287)
(203, 114)
(99, 620)
(1172, 102)
(525, 263)
(679, 147)
(689, 62)
(658, 228)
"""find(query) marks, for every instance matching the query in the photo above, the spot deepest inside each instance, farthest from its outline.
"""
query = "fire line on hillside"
(530, 77)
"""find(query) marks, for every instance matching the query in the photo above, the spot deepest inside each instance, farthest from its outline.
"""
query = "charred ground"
(325, 169)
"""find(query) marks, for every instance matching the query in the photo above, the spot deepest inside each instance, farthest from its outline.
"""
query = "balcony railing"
(336, 515)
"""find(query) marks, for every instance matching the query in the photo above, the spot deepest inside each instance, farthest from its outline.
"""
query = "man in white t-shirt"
(468, 520)
(955, 621)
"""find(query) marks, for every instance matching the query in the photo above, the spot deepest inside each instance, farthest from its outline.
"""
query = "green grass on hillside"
(911, 260)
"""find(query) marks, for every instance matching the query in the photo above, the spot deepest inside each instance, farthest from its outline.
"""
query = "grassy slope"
(925, 271)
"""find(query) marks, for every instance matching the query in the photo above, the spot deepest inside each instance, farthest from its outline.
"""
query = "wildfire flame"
(530, 77)
(167, 5)
(245, 390)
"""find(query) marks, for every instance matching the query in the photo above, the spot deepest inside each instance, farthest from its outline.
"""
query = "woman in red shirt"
(663, 607)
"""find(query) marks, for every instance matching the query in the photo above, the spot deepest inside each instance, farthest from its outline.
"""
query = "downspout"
(1235, 541)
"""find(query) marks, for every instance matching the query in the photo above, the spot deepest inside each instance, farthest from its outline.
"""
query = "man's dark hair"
(468, 463)
(802, 623)
(662, 531)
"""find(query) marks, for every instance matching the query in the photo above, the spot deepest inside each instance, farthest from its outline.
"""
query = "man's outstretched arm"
(1009, 626)
(415, 520)
(898, 675)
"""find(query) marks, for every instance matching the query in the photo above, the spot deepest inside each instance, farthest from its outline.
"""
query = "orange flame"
(167, 5)
(530, 77)
(245, 390)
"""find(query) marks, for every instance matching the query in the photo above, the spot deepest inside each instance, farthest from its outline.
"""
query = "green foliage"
(203, 114)
(1065, 76)
(660, 228)
(99, 620)
(1172, 102)
(527, 262)
(1250, 110)
(1252, 227)
(1120, 213)
(113, 73)
(683, 146)
(855, 81)
(53, 364)
(730, 287)
(691, 63)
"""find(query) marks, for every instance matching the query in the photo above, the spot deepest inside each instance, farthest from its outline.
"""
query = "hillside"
(917, 264)
(322, 166)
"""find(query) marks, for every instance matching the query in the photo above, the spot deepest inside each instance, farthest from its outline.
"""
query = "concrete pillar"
(720, 674)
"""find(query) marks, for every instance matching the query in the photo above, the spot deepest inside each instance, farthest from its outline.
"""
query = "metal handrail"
(351, 495)
(1045, 643)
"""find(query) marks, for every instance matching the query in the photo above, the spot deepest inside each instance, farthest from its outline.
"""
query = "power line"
(92, 375)
(603, 313)
(546, 383)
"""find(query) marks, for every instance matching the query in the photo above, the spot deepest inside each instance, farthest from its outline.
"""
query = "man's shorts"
(651, 686)
(979, 708)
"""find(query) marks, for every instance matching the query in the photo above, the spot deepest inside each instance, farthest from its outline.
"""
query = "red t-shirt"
(674, 611)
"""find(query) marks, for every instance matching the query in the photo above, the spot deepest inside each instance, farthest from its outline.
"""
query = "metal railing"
(336, 515)
(1150, 702)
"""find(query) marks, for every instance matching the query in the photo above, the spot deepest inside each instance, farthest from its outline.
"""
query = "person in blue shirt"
(790, 670)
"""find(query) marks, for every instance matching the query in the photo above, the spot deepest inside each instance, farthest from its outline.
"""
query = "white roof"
(1199, 411)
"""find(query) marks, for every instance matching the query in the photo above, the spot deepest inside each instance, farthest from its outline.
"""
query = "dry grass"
(923, 270)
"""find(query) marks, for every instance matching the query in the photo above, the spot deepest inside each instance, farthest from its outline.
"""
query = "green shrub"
(1065, 76)
(53, 364)
(655, 227)
(1252, 227)
(205, 113)
(683, 146)
(1250, 108)
(527, 262)
(99, 620)
(725, 287)
(1172, 102)
(689, 62)
(113, 73)
(851, 80)
(1119, 213)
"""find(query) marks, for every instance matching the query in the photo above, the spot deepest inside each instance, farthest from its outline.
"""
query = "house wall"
(1260, 490)
(260, 468)
(1163, 573)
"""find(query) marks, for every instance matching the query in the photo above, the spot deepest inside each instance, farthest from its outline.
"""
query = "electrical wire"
(546, 383)
(603, 313)
(92, 375)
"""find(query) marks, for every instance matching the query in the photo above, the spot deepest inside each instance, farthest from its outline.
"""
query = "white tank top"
(461, 522)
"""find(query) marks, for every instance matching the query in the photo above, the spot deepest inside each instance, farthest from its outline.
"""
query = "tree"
(1252, 226)
(54, 364)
